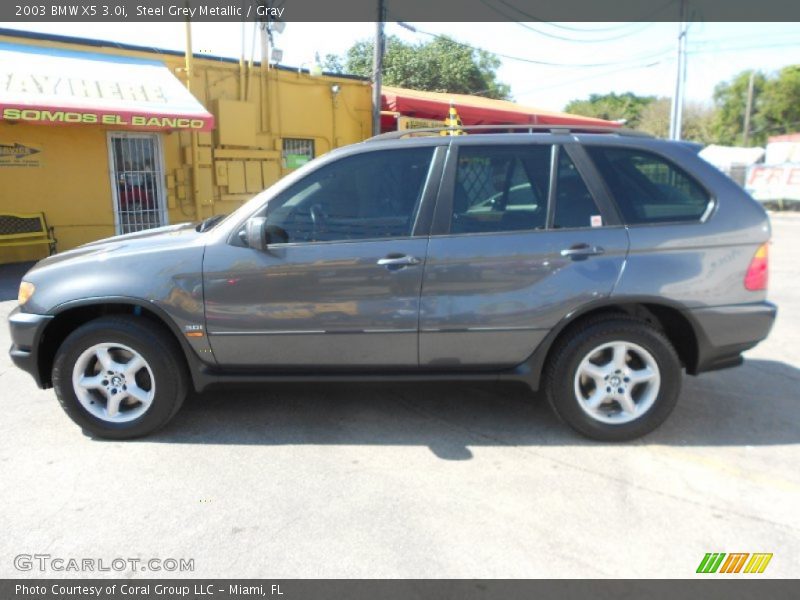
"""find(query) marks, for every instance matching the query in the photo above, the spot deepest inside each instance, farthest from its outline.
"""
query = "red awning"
(475, 110)
(52, 86)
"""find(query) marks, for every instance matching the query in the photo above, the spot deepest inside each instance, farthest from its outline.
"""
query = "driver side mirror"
(258, 235)
(255, 233)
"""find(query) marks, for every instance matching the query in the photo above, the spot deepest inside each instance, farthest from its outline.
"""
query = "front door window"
(368, 196)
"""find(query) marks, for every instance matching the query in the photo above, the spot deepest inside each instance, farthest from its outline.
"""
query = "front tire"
(613, 378)
(119, 377)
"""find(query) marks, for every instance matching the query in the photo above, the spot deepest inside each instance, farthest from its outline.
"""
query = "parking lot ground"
(419, 480)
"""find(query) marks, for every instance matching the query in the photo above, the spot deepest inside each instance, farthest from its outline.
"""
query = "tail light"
(757, 272)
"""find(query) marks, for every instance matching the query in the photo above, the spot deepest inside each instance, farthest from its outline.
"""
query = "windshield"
(257, 201)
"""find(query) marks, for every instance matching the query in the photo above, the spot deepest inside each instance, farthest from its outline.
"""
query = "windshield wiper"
(210, 222)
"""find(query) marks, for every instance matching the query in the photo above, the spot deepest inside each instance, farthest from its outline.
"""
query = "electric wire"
(648, 17)
(543, 63)
(573, 39)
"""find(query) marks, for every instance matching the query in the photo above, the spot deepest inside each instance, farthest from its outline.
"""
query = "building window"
(137, 174)
(297, 152)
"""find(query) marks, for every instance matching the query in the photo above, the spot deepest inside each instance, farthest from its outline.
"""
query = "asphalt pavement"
(416, 481)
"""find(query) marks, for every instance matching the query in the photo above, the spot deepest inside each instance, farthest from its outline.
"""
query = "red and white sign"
(774, 182)
(51, 86)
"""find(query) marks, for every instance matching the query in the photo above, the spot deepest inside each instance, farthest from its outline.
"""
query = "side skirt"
(206, 378)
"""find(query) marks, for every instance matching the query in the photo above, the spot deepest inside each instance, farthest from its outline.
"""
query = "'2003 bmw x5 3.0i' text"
(593, 266)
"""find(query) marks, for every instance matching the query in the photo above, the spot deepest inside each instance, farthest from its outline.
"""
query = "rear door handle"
(582, 250)
(397, 261)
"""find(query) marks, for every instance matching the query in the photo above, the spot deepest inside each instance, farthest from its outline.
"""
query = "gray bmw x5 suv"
(593, 266)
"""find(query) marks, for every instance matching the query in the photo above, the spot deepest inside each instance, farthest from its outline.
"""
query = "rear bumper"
(724, 332)
(26, 333)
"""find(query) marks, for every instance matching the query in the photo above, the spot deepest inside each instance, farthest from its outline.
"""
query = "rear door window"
(648, 188)
(575, 206)
(501, 188)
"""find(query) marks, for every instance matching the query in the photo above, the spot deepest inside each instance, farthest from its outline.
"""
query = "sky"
(594, 57)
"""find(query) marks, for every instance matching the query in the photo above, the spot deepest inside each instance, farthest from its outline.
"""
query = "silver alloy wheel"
(113, 382)
(617, 382)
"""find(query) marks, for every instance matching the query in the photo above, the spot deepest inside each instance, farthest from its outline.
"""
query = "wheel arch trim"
(531, 370)
(193, 361)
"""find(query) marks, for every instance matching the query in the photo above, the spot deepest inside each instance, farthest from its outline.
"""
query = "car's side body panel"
(477, 305)
(488, 300)
(695, 263)
(700, 266)
(313, 305)
(159, 269)
(321, 305)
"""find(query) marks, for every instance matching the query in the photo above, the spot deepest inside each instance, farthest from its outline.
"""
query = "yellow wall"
(72, 187)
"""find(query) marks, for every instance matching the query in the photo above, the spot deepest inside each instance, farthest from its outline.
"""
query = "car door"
(518, 242)
(339, 284)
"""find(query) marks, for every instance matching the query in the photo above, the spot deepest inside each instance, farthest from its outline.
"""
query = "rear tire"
(613, 378)
(120, 377)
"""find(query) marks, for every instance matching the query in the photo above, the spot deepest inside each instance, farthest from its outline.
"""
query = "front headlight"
(26, 289)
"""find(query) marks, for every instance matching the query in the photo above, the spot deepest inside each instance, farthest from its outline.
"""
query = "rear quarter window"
(647, 187)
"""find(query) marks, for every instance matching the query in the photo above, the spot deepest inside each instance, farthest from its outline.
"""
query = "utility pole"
(194, 140)
(749, 109)
(264, 84)
(377, 68)
(676, 116)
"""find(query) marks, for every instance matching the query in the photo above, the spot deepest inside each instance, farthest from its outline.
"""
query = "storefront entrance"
(137, 181)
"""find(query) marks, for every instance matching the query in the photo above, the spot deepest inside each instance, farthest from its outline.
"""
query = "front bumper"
(724, 332)
(26, 333)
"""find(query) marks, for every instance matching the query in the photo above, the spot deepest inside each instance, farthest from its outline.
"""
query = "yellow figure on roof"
(453, 120)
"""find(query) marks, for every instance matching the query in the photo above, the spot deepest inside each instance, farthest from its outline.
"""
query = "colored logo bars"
(716, 562)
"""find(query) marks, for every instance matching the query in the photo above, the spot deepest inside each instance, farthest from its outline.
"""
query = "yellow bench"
(25, 230)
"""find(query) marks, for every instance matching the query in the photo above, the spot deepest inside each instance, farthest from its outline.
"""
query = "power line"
(741, 48)
(591, 30)
(649, 17)
(652, 60)
(596, 76)
(561, 37)
(782, 34)
(533, 61)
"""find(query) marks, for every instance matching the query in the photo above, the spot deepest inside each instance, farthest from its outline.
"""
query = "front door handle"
(581, 251)
(398, 261)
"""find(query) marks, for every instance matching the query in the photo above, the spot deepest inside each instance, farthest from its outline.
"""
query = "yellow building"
(101, 152)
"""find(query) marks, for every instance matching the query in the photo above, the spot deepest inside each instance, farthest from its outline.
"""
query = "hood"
(146, 233)
(159, 266)
(150, 240)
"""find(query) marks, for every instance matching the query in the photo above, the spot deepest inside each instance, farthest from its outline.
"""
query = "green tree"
(654, 118)
(780, 102)
(776, 106)
(332, 64)
(441, 65)
(697, 120)
(730, 99)
(613, 107)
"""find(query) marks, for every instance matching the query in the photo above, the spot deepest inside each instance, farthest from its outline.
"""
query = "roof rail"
(517, 128)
